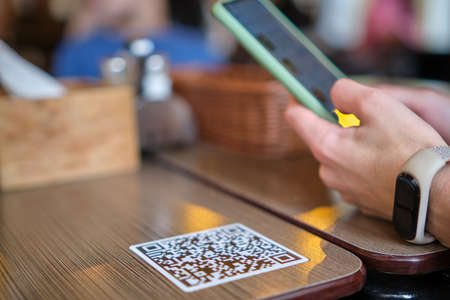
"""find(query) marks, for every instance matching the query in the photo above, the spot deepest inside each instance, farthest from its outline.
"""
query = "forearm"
(439, 207)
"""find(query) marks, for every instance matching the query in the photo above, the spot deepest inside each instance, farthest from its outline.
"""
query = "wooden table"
(71, 241)
(292, 190)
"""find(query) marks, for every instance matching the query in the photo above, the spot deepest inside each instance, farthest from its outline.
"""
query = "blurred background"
(402, 38)
(178, 75)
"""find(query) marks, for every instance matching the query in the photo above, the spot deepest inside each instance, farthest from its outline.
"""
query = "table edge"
(342, 287)
(395, 264)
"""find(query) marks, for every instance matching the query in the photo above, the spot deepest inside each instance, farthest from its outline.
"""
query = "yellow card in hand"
(347, 121)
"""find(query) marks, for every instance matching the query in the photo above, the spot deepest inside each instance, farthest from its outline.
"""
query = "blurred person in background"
(101, 28)
(408, 38)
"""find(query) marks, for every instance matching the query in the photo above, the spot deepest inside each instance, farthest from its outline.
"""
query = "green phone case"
(265, 58)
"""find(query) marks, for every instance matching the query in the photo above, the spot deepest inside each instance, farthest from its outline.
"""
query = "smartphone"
(278, 45)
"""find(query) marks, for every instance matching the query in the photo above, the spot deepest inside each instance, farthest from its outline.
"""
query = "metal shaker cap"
(141, 47)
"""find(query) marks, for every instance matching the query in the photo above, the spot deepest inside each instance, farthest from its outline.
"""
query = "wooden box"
(90, 132)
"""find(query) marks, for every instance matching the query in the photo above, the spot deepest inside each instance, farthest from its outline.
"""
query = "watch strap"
(443, 151)
(423, 166)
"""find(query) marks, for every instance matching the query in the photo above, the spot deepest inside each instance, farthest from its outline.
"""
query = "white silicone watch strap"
(423, 166)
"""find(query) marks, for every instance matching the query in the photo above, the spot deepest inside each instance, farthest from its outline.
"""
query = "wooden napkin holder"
(88, 133)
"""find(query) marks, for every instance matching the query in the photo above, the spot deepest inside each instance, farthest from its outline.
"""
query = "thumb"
(350, 97)
(309, 126)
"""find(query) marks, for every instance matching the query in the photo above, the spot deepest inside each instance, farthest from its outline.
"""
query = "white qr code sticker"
(211, 257)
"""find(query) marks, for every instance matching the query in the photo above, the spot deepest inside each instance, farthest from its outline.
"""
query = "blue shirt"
(81, 57)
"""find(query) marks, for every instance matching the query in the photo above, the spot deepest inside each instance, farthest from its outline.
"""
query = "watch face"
(406, 206)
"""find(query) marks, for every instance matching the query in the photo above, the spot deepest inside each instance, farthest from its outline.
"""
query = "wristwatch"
(412, 190)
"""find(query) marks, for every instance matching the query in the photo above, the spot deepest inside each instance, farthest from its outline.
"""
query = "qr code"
(202, 259)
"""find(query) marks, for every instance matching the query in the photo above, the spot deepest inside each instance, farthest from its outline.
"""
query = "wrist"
(415, 218)
(439, 203)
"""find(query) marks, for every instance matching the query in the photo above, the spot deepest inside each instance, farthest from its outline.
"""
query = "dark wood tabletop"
(292, 189)
(72, 241)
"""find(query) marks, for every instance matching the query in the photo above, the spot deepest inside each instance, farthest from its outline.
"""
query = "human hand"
(432, 106)
(362, 163)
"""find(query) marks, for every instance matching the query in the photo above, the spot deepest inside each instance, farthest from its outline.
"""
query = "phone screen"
(286, 48)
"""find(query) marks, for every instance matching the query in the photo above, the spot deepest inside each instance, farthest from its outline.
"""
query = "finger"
(351, 199)
(321, 136)
(364, 208)
(406, 93)
(293, 102)
(351, 97)
(416, 99)
(381, 215)
(368, 212)
(347, 198)
(402, 94)
(398, 92)
(330, 178)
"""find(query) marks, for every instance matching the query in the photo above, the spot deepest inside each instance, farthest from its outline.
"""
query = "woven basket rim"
(235, 76)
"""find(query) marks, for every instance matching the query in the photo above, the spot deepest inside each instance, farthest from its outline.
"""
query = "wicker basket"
(240, 107)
